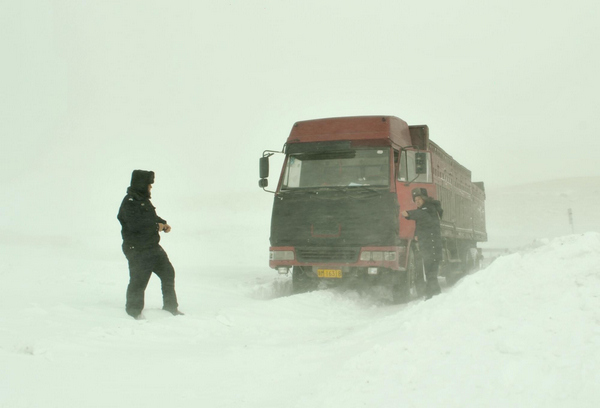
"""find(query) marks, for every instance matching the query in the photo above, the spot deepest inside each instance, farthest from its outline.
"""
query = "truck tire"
(411, 284)
(401, 292)
(301, 282)
(419, 274)
(400, 289)
(472, 261)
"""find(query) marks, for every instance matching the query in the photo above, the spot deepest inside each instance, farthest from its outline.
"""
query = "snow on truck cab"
(336, 209)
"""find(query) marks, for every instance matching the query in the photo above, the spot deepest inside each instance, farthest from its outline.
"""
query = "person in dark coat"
(140, 232)
(428, 235)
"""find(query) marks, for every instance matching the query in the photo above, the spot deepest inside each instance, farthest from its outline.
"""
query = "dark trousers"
(431, 253)
(142, 262)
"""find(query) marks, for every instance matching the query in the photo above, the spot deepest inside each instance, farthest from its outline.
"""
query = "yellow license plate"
(329, 273)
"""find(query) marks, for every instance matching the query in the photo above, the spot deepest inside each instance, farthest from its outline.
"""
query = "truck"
(337, 205)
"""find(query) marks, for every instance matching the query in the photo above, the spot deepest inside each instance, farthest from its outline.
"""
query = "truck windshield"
(348, 168)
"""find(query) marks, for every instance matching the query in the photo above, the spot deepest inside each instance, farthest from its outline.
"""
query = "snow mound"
(362, 294)
(272, 289)
(523, 332)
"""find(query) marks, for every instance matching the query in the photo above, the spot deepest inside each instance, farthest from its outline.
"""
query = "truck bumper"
(343, 258)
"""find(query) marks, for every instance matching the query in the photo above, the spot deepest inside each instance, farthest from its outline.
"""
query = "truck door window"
(402, 174)
(407, 171)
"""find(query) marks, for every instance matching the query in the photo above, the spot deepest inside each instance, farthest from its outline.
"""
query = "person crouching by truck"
(428, 236)
(140, 232)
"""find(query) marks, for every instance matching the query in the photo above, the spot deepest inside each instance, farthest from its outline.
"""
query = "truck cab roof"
(382, 130)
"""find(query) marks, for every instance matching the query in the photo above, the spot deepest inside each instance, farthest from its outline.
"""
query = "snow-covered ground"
(524, 332)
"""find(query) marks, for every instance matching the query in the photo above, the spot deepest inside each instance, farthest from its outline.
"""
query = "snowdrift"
(523, 332)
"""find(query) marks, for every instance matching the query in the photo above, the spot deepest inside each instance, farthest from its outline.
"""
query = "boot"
(174, 312)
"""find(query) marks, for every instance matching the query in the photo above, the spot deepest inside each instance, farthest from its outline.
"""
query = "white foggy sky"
(196, 90)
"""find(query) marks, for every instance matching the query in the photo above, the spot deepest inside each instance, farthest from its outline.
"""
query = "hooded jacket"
(137, 215)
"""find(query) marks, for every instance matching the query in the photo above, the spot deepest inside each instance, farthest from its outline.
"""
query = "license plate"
(329, 273)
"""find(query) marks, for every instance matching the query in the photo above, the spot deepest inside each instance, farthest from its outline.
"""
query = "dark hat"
(419, 192)
(140, 179)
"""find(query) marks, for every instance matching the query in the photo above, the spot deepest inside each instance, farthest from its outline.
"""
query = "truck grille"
(327, 254)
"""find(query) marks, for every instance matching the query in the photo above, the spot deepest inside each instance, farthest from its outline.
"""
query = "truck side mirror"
(264, 167)
(420, 163)
(262, 183)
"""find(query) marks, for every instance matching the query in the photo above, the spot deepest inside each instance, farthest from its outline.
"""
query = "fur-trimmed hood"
(140, 179)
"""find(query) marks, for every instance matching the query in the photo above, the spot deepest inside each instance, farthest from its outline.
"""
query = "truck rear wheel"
(472, 262)
(469, 263)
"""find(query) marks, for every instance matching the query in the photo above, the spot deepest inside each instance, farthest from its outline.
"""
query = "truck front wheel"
(411, 284)
(301, 282)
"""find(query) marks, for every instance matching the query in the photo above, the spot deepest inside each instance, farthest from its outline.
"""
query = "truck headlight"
(281, 255)
(377, 256)
(389, 256)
